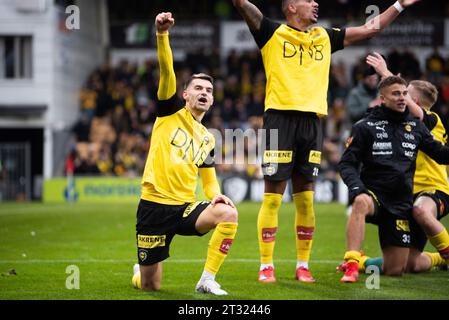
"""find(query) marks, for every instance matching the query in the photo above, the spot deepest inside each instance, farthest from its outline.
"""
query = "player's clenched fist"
(164, 21)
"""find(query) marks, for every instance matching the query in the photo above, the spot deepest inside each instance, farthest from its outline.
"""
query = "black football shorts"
(293, 144)
(393, 230)
(157, 224)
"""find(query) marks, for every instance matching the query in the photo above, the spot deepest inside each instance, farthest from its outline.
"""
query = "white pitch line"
(37, 261)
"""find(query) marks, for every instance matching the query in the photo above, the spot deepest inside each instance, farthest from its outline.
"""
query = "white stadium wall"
(61, 61)
(38, 90)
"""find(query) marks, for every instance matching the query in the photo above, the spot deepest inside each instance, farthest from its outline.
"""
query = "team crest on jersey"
(408, 128)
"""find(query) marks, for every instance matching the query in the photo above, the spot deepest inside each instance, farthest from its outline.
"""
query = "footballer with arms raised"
(297, 58)
(181, 147)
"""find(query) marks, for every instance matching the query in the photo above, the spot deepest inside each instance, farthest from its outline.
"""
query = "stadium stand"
(117, 107)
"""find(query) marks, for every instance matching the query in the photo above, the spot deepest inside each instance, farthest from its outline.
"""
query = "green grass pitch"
(40, 241)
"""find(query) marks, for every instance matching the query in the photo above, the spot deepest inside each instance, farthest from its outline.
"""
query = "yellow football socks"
(436, 259)
(267, 224)
(352, 256)
(219, 245)
(304, 224)
(441, 243)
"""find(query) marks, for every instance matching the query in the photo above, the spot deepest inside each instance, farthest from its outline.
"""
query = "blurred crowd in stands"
(117, 103)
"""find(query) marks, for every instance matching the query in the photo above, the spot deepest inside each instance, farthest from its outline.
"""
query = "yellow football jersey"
(179, 146)
(429, 175)
(297, 65)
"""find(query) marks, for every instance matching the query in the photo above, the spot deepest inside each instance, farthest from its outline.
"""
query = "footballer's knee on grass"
(150, 277)
(417, 261)
(215, 214)
(395, 260)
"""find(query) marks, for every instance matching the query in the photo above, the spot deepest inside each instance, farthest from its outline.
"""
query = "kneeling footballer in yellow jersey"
(181, 147)
(430, 188)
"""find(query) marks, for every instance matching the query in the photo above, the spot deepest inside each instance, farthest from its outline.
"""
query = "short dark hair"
(389, 81)
(427, 91)
(285, 4)
(202, 76)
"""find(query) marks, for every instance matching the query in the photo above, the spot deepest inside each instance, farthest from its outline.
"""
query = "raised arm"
(369, 30)
(379, 64)
(167, 82)
(249, 12)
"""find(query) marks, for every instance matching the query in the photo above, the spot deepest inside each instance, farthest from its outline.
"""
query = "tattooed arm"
(250, 13)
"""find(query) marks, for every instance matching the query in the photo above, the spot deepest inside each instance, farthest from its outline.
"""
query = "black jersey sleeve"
(429, 119)
(350, 162)
(170, 106)
(266, 31)
(337, 38)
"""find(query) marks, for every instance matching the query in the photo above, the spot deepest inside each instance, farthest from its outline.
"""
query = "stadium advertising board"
(236, 36)
(241, 188)
(92, 190)
(410, 33)
(127, 190)
(96, 190)
(186, 35)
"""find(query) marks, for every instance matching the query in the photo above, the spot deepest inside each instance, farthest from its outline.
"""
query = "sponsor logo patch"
(277, 156)
(382, 146)
(408, 145)
(402, 225)
(191, 207)
(225, 245)
(269, 234)
(304, 233)
(315, 157)
(382, 153)
(149, 242)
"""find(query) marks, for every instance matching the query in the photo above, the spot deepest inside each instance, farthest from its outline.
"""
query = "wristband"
(398, 6)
